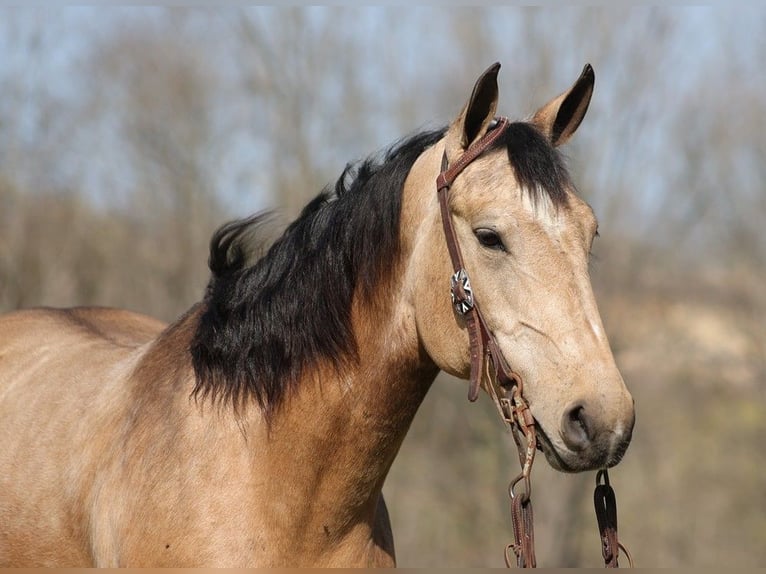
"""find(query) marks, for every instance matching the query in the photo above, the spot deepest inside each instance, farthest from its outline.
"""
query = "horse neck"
(321, 461)
(343, 428)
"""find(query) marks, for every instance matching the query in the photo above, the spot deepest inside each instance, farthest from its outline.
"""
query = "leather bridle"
(490, 370)
(488, 366)
(483, 344)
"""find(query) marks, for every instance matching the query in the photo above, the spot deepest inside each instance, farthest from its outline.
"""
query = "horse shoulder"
(63, 393)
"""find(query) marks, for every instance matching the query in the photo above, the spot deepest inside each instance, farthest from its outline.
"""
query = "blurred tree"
(159, 93)
(302, 65)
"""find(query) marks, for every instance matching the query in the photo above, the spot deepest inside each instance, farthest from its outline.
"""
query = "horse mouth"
(552, 455)
(571, 462)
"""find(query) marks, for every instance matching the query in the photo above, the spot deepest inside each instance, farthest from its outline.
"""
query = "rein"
(490, 370)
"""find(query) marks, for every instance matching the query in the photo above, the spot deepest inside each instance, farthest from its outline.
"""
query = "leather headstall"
(488, 366)
(485, 351)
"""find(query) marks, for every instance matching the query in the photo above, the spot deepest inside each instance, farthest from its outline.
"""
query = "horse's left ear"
(478, 113)
(560, 118)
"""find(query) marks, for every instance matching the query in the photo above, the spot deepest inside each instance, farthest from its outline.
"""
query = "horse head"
(525, 236)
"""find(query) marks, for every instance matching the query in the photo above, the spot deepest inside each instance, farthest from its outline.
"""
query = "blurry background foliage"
(127, 135)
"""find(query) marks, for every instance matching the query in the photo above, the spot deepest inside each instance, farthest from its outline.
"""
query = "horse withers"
(258, 428)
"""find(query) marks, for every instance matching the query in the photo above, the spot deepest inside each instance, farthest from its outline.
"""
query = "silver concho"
(460, 281)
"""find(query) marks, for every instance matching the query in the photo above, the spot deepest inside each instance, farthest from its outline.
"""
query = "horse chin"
(555, 460)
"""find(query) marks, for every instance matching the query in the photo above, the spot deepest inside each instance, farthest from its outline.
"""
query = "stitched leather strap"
(488, 364)
(483, 344)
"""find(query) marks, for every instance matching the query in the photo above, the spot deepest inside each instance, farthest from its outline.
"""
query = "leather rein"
(490, 370)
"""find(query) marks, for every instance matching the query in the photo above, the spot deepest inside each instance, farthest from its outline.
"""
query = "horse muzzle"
(586, 441)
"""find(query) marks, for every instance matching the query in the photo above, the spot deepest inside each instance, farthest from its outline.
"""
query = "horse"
(258, 428)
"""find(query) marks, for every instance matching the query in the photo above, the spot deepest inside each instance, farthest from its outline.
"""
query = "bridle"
(490, 370)
(488, 366)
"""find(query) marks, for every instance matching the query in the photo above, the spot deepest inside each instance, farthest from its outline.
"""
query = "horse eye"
(489, 238)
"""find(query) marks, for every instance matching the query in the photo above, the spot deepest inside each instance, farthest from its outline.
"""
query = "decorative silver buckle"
(462, 294)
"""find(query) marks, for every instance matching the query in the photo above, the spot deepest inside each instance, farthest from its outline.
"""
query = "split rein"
(490, 370)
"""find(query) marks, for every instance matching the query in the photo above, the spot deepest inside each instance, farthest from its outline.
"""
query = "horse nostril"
(576, 429)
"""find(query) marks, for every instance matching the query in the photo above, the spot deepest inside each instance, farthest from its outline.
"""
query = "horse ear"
(560, 118)
(478, 113)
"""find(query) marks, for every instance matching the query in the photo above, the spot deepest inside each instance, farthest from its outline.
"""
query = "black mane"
(263, 324)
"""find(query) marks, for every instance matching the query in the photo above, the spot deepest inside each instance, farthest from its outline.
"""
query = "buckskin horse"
(259, 427)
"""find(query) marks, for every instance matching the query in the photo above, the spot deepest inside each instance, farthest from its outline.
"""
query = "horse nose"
(595, 437)
(577, 426)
